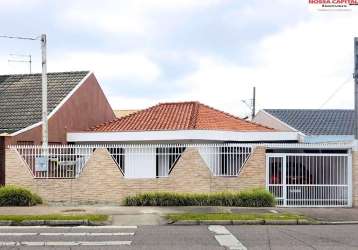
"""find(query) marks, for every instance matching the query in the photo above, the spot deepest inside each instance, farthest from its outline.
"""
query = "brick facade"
(102, 182)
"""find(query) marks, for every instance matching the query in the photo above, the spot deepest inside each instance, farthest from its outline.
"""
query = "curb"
(54, 223)
(262, 222)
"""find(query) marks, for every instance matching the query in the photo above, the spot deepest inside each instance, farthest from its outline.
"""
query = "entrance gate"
(310, 180)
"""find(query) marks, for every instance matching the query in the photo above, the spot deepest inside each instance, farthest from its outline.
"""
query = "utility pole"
(355, 76)
(44, 86)
(44, 93)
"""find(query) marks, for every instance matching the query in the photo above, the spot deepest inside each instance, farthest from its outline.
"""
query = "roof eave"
(204, 135)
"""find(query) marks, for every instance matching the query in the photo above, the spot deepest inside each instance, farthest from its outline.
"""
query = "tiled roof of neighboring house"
(179, 116)
(21, 98)
(317, 121)
(124, 112)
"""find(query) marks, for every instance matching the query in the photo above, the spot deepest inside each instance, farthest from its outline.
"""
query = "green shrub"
(18, 196)
(249, 198)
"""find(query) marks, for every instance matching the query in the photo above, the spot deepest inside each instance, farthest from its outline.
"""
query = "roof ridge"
(172, 103)
(194, 115)
(178, 115)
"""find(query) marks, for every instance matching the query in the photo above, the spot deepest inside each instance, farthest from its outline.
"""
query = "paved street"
(182, 237)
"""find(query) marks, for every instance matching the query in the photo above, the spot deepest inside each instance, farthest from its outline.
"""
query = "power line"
(20, 37)
(336, 91)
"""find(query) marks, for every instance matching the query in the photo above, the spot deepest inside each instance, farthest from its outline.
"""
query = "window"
(166, 158)
(118, 156)
(232, 159)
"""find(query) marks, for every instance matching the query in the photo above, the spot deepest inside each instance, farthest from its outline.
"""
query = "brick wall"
(102, 182)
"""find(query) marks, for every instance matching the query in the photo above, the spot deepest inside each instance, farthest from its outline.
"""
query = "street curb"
(185, 222)
(248, 222)
(281, 222)
(261, 222)
(56, 223)
(338, 222)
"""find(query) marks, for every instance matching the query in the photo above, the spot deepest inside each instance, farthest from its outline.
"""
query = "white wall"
(270, 121)
(211, 157)
(140, 162)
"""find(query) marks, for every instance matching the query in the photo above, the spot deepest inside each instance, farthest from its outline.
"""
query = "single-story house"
(187, 147)
(180, 122)
(75, 102)
(314, 125)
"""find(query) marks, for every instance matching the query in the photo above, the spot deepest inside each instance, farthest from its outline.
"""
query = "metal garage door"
(309, 180)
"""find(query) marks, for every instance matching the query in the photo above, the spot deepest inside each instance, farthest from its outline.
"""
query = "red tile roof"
(179, 116)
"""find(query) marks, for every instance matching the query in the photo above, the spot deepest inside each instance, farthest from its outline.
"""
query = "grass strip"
(59, 217)
(230, 216)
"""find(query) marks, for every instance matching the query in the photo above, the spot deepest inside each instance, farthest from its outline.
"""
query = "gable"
(21, 97)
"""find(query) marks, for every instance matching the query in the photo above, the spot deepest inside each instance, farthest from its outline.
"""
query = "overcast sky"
(149, 51)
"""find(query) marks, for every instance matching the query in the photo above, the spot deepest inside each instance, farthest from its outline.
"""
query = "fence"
(135, 161)
(302, 180)
(55, 161)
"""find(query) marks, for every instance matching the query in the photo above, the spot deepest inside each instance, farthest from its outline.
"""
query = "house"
(180, 122)
(315, 125)
(75, 102)
(186, 147)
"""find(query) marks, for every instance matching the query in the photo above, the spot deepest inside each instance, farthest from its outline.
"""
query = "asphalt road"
(182, 237)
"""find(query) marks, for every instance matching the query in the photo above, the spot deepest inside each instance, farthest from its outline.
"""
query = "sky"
(213, 51)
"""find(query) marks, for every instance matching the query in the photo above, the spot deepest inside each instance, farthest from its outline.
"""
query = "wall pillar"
(354, 176)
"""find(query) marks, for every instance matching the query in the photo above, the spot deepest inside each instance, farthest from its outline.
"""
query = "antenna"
(251, 103)
(28, 60)
(43, 40)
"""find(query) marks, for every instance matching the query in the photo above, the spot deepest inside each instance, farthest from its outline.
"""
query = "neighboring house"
(315, 125)
(75, 102)
(124, 112)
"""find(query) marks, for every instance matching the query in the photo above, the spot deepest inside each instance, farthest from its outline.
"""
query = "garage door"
(309, 180)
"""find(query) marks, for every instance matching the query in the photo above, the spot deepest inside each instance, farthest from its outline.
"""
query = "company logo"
(333, 5)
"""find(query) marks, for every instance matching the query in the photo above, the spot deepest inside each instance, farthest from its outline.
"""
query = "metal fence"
(306, 180)
(134, 161)
(55, 161)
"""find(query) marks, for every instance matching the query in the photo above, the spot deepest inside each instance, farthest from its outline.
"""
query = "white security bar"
(134, 160)
(63, 162)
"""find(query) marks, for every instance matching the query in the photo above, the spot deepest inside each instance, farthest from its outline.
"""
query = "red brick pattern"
(179, 116)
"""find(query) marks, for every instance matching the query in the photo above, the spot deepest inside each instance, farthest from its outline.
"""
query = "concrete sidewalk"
(155, 215)
(121, 215)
